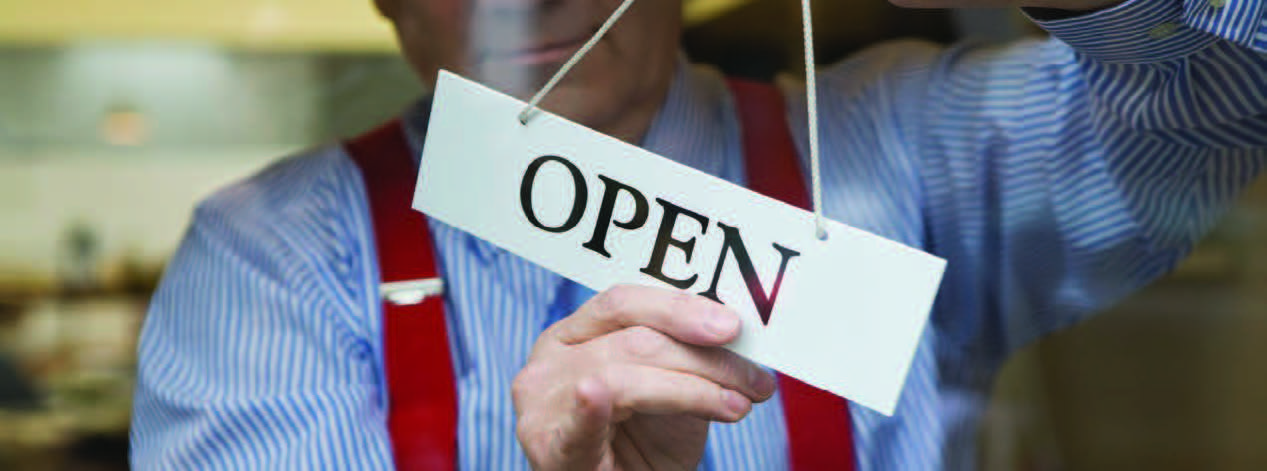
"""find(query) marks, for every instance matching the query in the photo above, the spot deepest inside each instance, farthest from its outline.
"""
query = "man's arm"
(1056, 176)
(250, 357)
(1103, 156)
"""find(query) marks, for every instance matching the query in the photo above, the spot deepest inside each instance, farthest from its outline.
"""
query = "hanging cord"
(567, 66)
(811, 98)
(811, 101)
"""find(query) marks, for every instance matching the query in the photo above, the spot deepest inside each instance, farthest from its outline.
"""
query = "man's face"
(515, 45)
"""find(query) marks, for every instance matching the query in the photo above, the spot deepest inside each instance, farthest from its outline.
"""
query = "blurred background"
(117, 117)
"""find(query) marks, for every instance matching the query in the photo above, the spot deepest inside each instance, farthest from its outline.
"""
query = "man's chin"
(581, 96)
(519, 82)
(574, 102)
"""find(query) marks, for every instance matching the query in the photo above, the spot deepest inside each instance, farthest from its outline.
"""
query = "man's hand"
(1070, 5)
(631, 381)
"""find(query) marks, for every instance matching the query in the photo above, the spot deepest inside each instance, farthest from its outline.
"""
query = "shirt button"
(1164, 30)
(1218, 3)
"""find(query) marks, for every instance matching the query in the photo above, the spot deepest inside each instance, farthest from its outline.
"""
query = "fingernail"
(735, 402)
(761, 380)
(721, 324)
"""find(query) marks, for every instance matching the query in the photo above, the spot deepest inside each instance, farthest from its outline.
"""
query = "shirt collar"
(415, 119)
(696, 124)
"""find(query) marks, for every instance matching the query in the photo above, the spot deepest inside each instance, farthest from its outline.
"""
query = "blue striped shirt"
(1056, 176)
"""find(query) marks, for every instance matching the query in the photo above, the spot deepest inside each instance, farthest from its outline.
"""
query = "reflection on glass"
(112, 128)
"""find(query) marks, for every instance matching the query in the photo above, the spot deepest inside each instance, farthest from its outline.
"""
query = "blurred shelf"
(254, 24)
(308, 25)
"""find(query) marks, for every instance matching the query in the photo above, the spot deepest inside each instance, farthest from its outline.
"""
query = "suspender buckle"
(411, 292)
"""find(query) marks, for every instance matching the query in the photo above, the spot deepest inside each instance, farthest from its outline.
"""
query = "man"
(1055, 176)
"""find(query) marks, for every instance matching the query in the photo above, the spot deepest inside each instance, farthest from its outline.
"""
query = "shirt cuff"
(1241, 21)
(1136, 31)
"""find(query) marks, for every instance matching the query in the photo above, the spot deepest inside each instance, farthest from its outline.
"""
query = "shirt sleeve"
(253, 355)
(1065, 174)
(1056, 176)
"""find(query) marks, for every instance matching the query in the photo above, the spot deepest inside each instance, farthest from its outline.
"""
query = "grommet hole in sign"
(843, 314)
(811, 99)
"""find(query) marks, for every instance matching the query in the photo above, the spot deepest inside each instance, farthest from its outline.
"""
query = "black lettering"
(578, 201)
(612, 189)
(733, 243)
(664, 239)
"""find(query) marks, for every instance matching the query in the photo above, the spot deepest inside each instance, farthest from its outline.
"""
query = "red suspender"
(818, 425)
(422, 395)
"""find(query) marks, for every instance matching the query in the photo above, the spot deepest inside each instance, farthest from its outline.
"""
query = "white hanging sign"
(844, 314)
